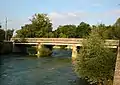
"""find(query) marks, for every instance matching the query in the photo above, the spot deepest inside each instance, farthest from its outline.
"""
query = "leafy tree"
(39, 27)
(2, 34)
(109, 32)
(26, 31)
(95, 62)
(117, 29)
(9, 33)
(56, 34)
(102, 30)
(42, 24)
(66, 31)
(83, 30)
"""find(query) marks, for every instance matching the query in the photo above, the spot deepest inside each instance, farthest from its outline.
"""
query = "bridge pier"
(117, 68)
(74, 52)
(39, 46)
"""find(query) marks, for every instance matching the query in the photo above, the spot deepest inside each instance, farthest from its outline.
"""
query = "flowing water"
(24, 70)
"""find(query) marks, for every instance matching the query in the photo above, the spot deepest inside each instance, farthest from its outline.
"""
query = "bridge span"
(59, 41)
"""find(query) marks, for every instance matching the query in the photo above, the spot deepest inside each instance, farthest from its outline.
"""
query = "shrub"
(44, 52)
(95, 62)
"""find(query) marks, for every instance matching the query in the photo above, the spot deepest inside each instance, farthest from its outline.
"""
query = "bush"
(44, 52)
(95, 62)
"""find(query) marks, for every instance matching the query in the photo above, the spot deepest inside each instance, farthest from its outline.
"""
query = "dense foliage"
(66, 31)
(2, 34)
(95, 62)
(5, 47)
(9, 33)
(41, 27)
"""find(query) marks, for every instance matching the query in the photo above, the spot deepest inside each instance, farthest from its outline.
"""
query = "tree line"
(41, 27)
(9, 34)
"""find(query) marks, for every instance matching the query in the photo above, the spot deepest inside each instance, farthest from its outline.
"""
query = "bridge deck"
(61, 41)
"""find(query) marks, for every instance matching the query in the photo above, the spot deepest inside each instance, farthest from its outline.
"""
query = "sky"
(60, 12)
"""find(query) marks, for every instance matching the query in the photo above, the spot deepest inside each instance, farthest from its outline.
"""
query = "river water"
(26, 70)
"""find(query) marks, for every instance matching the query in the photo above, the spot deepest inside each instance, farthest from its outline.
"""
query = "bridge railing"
(64, 40)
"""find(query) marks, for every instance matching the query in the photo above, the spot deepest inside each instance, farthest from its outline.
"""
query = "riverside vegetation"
(94, 62)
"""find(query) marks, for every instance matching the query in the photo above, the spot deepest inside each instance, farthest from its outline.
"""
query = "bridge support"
(74, 52)
(117, 68)
(38, 49)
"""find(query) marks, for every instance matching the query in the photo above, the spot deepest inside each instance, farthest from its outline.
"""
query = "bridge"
(74, 42)
(60, 41)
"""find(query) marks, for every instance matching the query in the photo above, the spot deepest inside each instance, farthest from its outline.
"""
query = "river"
(26, 70)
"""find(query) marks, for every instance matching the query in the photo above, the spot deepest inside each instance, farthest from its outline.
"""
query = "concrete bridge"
(74, 42)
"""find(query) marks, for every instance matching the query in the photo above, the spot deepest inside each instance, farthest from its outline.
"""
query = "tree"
(117, 29)
(26, 31)
(2, 34)
(83, 30)
(112, 32)
(95, 62)
(9, 33)
(39, 27)
(103, 30)
(66, 31)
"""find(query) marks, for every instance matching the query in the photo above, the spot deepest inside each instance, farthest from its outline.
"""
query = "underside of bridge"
(22, 48)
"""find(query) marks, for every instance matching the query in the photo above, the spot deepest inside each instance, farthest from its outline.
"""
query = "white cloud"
(66, 18)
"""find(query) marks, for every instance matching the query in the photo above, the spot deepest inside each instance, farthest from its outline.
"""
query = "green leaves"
(9, 34)
(83, 30)
(95, 62)
(66, 31)
(40, 25)
(2, 34)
